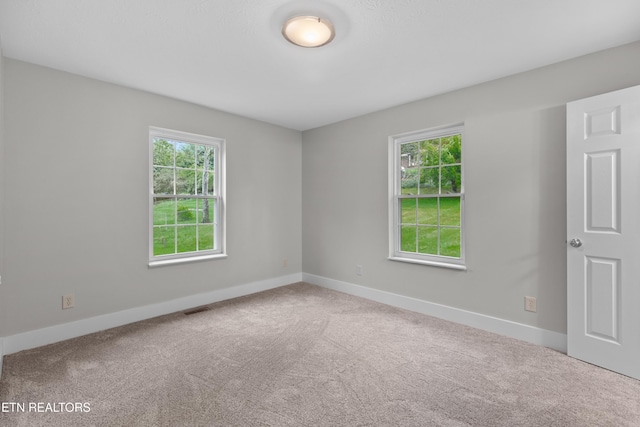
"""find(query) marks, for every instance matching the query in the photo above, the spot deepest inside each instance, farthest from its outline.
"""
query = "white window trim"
(395, 254)
(220, 191)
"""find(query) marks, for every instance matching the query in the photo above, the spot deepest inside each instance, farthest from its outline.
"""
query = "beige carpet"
(306, 356)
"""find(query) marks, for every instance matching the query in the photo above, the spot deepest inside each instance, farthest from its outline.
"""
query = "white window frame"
(219, 190)
(395, 194)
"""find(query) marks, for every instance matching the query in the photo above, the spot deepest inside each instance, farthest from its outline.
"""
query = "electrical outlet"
(68, 301)
(530, 304)
(284, 263)
(359, 270)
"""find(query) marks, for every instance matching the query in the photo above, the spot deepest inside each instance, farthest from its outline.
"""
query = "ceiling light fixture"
(308, 31)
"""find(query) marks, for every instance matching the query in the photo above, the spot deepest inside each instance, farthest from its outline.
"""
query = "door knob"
(576, 243)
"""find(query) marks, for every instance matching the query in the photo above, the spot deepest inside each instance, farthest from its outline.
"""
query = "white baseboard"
(543, 337)
(31, 339)
(52, 334)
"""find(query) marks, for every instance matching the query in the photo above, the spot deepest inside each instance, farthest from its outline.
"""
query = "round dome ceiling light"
(308, 31)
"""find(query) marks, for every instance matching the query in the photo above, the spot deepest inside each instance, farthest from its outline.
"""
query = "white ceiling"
(230, 55)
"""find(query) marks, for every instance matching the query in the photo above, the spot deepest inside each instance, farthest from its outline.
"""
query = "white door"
(603, 230)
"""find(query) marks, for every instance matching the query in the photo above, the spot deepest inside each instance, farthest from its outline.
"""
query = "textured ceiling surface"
(230, 55)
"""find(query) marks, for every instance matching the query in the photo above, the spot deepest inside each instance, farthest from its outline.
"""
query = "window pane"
(450, 211)
(451, 179)
(186, 211)
(408, 168)
(430, 152)
(429, 180)
(162, 180)
(450, 242)
(408, 211)
(409, 155)
(185, 181)
(185, 155)
(164, 211)
(206, 211)
(186, 238)
(428, 211)
(211, 189)
(206, 224)
(409, 181)
(408, 238)
(205, 237)
(204, 184)
(162, 152)
(212, 159)
(205, 157)
(428, 240)
(451, 150)
(164, 240)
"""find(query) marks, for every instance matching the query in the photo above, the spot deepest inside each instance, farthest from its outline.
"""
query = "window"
(186, 197)
(426, 197)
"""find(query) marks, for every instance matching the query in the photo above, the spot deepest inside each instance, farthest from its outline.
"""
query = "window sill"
(430, 263)
(172, 261)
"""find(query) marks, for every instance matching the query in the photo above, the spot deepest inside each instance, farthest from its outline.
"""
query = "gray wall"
(515, 190)
(76, 199)
(75, 202)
